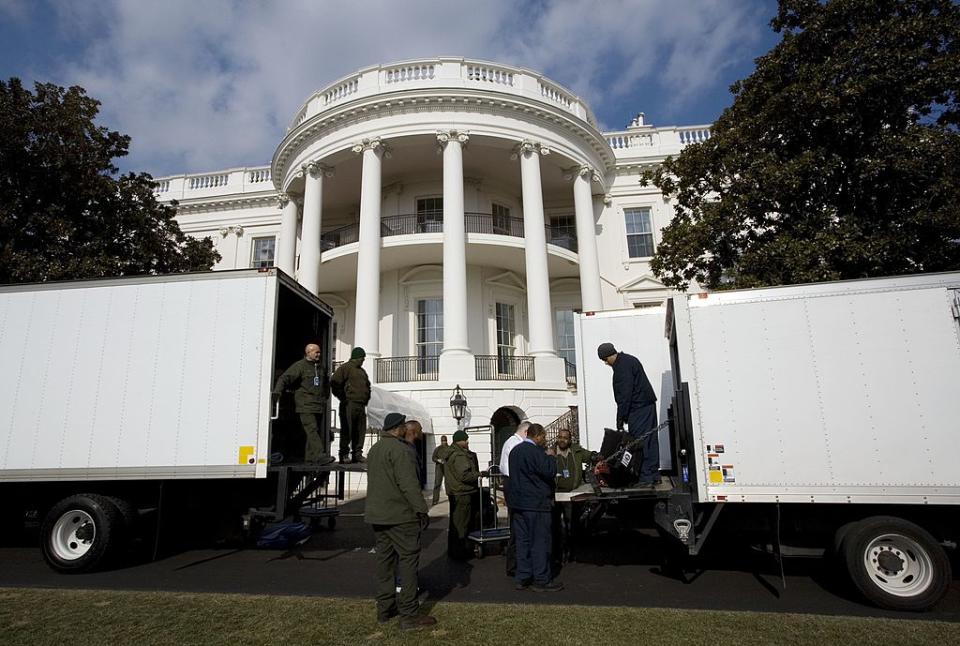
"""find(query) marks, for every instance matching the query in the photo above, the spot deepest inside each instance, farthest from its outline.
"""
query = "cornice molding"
(398, 104)
(227, 203)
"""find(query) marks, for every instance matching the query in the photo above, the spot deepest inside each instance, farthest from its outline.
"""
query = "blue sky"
(212, 84)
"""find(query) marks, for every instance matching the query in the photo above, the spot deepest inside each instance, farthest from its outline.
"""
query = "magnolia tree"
(65, 211)
(839, 157)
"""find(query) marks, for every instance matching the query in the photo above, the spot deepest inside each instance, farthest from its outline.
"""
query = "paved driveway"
(621, 568)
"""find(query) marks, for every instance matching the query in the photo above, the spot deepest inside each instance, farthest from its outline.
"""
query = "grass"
(32, 616)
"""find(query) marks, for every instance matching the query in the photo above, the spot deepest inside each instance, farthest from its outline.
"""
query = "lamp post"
(458, 405)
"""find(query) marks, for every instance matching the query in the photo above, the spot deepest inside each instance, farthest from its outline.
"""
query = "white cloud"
(210, 84)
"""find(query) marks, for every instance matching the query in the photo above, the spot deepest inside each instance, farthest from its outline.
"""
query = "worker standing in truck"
(636, 407)
(310, 385)
(351, 385)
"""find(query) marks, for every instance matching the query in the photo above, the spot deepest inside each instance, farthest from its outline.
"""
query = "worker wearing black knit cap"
(461, 472)
(636, 407)
(398, 513)
(351, 385)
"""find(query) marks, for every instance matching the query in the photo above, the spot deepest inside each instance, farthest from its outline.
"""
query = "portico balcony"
(432, 222)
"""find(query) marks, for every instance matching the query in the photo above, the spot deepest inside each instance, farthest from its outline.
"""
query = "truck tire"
(896, 564)
(80, 533)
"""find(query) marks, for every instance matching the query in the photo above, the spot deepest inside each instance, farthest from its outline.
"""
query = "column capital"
(529, 146)
(582, 170)
(315, 169)
(235, 229)
(446, 136)
(282, 200)
(376, 144)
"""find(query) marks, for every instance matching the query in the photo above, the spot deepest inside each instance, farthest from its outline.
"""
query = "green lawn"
(142, 618)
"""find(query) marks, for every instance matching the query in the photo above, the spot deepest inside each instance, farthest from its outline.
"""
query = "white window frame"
(652, 209)
(422, 226)
(254, 263)
(416, 343)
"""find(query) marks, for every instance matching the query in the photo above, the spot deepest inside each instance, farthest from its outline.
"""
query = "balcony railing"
(432, 222)
(571, 371)
(397, 369)
(492, 367)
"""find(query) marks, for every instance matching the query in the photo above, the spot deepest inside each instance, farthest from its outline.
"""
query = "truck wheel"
(80, 533)
(896, 564)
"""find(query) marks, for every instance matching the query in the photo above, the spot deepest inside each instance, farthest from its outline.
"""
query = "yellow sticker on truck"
(245, 455)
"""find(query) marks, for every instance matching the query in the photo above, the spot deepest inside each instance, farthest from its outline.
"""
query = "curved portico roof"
(467, 92)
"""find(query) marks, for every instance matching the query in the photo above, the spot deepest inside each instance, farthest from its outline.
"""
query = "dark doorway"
(504, 422)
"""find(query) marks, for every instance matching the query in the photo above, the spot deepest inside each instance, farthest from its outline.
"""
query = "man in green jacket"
(398, 513)
(309, 383)
(571, 459)
(439, 458)
(461, 471)
(351, 386)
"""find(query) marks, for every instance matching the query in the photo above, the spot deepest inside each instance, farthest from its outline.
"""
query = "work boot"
(359, 459)
(344, 460)
(321, 461)
(553, 586)
(385, 617)
(523, 585)
(417, 621)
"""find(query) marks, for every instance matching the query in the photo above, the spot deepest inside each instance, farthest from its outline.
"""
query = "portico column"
(539, 311)
(367, 323)
(456, 360)
(313, 173)
(591, 298)
(287, 244)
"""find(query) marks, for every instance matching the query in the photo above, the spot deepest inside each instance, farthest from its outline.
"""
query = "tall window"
(563, 231)
(429, 333)
(263, 252)
(566, 345)
(639, 233)
(501, 219)
(506, 332)
(430, 215)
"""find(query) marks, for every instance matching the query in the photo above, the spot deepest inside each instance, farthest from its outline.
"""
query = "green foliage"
(64, 211)
(839, 157)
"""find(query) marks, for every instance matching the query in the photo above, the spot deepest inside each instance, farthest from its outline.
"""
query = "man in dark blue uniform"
(636, 407)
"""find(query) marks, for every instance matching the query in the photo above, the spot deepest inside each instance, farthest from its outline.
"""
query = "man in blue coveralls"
(636, 407)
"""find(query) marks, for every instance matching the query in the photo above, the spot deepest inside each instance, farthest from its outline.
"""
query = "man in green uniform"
(461, 472)
(397, 511)
(439, 457)
(351, 386)
(309, 383)
(570, 463)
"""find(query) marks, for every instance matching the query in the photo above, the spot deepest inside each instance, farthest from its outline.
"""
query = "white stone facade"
(481, 190)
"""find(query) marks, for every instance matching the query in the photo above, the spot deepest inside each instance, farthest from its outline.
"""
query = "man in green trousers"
(461, 472)
(439, 458)
(398, 513)
(309, 382)
(351, 385)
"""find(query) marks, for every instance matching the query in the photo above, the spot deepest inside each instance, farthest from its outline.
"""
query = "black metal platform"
(304, 491)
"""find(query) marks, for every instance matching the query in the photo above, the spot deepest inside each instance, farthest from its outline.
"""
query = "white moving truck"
(127, 394)
(828, 414)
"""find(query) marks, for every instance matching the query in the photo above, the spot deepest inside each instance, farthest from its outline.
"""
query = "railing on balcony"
(340, 236)
(492, 367)
(432, 222)
(397, 369)
(571, 371)
(412, 223)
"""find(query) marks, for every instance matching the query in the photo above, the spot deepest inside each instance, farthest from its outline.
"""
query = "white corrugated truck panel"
(839, 394)
(640, 333)
(152, 375)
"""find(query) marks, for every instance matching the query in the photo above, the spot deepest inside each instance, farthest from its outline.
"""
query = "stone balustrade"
(648, 141)
(454, 73)
(234, 181)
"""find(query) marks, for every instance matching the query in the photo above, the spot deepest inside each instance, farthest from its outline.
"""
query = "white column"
(287, 242)
(456, 360)
(309, 276)
(539, 310)
(591, 298)
(367, 322)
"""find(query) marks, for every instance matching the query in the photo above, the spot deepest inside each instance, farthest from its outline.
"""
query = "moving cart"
(487, 535)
